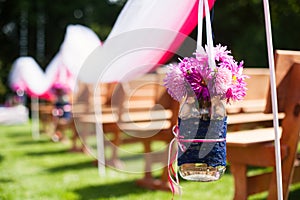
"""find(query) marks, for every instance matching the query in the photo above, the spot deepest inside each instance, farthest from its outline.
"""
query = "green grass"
(41, 169)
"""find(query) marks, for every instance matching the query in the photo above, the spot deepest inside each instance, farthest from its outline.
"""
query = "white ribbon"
(209, 40)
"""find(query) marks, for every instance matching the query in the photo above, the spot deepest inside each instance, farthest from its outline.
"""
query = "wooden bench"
(46, 117)
(249, 113)
(147, 116)
(53, 125)
(158, 127)
(255, 100)
(124, 104)
(256, 147)
(86, 117)
(238, 115)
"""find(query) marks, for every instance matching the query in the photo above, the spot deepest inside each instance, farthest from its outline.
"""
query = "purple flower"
(196, 74)
(226, 81)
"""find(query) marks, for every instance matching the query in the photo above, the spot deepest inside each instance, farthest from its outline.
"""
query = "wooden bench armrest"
(147, 115)
(251, 118)
(251, 137)
(246, 106)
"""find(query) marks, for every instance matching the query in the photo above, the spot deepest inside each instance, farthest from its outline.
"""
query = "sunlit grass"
(41, 169)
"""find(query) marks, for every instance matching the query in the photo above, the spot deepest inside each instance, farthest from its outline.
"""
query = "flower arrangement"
(202, 84)
(226, 80)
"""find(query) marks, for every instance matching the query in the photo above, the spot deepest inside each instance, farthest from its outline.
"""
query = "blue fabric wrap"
(66, 114)
(213, 153)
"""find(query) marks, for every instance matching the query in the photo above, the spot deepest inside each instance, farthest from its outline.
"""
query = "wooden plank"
(258, 183)
(257, 84)
(250, 137)
(245, 155)
(145, 126)
(245, 106)
(46, 108)
(296, 175)
(146, 115)
(139, 104)
(253, 105)
(103, 118)
(250, 118)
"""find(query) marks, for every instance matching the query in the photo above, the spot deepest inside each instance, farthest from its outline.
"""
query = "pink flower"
(226, 81)
(175, 82)
(223, 81)
(222, 54)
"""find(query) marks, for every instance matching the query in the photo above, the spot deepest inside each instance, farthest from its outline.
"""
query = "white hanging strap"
(208, 25)
(210, 44)
(209, 40)
(200, 25)
(172, 172)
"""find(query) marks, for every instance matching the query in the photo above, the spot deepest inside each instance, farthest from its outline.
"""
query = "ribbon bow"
(172, 173)
(178, 138)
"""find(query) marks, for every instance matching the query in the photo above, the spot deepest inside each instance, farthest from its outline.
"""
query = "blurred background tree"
(44, 23)
(239, 24)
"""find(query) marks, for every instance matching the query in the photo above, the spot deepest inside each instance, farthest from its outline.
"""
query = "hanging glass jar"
(62, 108)
(202, 126)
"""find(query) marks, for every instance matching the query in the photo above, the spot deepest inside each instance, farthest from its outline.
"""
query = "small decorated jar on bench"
(62, 106)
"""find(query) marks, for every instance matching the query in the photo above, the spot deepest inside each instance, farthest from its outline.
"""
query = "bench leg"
(239, 172)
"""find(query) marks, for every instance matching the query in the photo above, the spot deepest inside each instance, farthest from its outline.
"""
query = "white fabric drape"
(144, 35)
(144, 32)
(27, 75)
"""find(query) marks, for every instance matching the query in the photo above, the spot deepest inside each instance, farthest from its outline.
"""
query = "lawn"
(41, 169)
